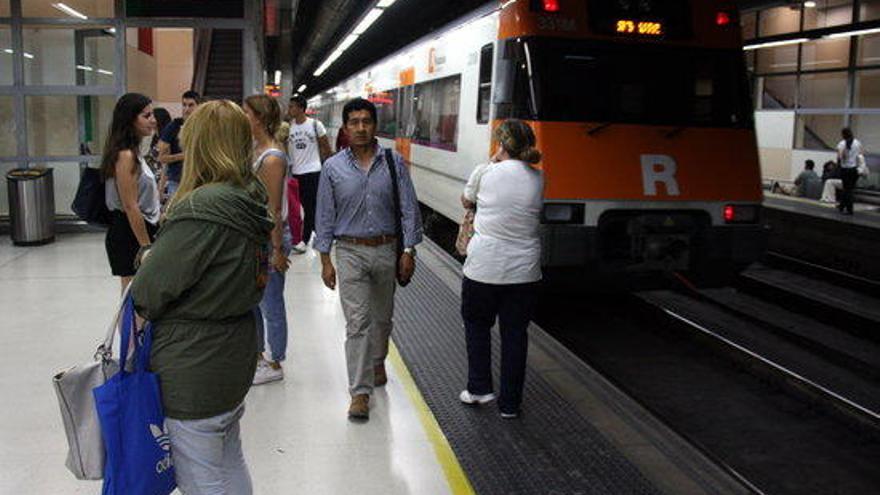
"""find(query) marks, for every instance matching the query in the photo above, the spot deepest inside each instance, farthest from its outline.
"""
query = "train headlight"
(741, 213)
(562, 213)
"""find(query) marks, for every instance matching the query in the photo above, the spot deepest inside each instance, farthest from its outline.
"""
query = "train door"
(485, 110)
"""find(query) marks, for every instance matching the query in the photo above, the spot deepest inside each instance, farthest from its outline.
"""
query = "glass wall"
(57, 55)
(830, 81)
(7, 126)
(5, 55)
(57, 95)
(56, 111)
(76, 9)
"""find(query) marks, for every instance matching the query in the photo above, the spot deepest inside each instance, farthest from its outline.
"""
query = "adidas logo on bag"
(161, 436)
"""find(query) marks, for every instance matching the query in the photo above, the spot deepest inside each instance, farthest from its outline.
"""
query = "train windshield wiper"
(676, 131)
(599, 128)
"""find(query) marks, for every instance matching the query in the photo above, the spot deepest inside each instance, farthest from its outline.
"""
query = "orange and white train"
(642, 110)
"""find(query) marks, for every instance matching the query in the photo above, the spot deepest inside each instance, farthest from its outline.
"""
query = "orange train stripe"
(712, 164)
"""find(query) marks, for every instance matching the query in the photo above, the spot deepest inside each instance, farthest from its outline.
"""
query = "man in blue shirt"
(170, 152)
(356, 210)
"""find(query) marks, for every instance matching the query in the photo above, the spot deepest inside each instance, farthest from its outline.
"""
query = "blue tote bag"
(132, 422)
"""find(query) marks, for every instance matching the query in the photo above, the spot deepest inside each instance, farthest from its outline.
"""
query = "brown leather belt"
(369, 241)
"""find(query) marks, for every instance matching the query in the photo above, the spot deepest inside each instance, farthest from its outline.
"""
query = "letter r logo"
(659, 169)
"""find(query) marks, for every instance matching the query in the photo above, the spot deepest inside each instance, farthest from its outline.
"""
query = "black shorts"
(122, 246)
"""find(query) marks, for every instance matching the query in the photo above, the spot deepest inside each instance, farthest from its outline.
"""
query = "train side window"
(484, 94)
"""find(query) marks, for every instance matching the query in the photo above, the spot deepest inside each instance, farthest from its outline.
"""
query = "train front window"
(588, 81)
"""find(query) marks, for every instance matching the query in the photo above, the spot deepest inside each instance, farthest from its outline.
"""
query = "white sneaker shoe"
(266, 373)
(299, 248)
(469, 398)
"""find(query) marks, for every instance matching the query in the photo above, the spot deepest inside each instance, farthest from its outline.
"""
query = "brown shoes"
(360, 407)
(381, 378)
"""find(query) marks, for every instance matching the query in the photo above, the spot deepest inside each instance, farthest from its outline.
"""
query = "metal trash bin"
(31, 206)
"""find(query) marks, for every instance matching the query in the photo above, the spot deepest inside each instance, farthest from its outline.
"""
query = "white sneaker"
(266, 373)
(469, 398)
(299, 248)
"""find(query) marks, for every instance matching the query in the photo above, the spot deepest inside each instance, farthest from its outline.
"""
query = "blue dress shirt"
(357, 203)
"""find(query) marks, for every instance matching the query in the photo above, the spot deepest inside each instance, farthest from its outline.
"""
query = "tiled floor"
(55, 302)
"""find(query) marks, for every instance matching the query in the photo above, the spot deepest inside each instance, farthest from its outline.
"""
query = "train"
(642, 110)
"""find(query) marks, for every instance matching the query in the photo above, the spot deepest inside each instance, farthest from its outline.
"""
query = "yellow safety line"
(455, 476)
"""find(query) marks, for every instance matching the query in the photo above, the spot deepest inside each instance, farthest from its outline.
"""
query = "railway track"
(786, 400)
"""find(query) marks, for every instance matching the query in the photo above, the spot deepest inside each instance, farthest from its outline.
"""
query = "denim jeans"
(271, 314)
(207, 455)
(171, 187)
(514, 306)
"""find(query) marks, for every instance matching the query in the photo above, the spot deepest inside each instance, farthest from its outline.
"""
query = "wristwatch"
(410, 251)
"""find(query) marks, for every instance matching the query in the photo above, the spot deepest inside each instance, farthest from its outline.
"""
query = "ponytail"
(518, 140)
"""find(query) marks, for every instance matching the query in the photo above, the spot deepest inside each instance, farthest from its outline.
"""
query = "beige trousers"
(367, 280)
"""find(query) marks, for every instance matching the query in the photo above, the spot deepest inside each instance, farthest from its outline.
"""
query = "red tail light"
(741, 213)
(723, 18)
(729, 213)
(551, 5)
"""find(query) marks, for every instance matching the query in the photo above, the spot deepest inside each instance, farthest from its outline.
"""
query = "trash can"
(31, 206)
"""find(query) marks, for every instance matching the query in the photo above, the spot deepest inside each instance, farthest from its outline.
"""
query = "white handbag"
(85, 456)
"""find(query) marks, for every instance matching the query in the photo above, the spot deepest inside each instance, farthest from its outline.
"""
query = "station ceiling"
(318, 27)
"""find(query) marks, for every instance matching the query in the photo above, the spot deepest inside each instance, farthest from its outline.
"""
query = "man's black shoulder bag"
(398, 213)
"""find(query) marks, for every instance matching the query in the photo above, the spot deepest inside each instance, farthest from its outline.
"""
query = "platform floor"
(55, 302)
(578, 433)
(865, 214)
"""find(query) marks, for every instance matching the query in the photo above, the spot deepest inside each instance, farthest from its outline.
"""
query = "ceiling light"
(301, 88)
(85, 68)
(847, 34)
(69, 11)
(105, 72)
(27, 55)
(8, 50)
(810, 4)
(277, 77)
(347, 42)
(368, 21)
(775, 43)
(354, 35)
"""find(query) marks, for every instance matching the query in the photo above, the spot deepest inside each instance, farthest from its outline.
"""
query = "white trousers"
(207, 455)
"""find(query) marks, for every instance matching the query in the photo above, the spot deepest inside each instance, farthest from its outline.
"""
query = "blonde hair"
(518, 140)
(218, 148)
(282, 135)
(267, 111)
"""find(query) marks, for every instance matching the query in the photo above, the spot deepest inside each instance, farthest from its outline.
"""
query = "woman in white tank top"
(131, 193)
(271, 166)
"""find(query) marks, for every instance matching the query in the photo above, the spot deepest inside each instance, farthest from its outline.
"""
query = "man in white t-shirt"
(308, 147)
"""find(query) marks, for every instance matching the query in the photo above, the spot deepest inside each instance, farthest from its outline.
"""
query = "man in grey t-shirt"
(808, 183)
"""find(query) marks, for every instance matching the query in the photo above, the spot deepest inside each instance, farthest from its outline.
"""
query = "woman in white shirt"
(503, 267)
(848, 152)
(264, 114)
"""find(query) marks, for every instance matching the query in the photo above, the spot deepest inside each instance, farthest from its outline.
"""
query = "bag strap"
(105, 349)
(395, 192)
(126, 333)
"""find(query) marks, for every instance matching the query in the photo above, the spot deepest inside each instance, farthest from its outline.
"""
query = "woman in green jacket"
(198, 285)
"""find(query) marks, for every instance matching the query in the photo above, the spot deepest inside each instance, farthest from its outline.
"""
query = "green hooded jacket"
(199, 285)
